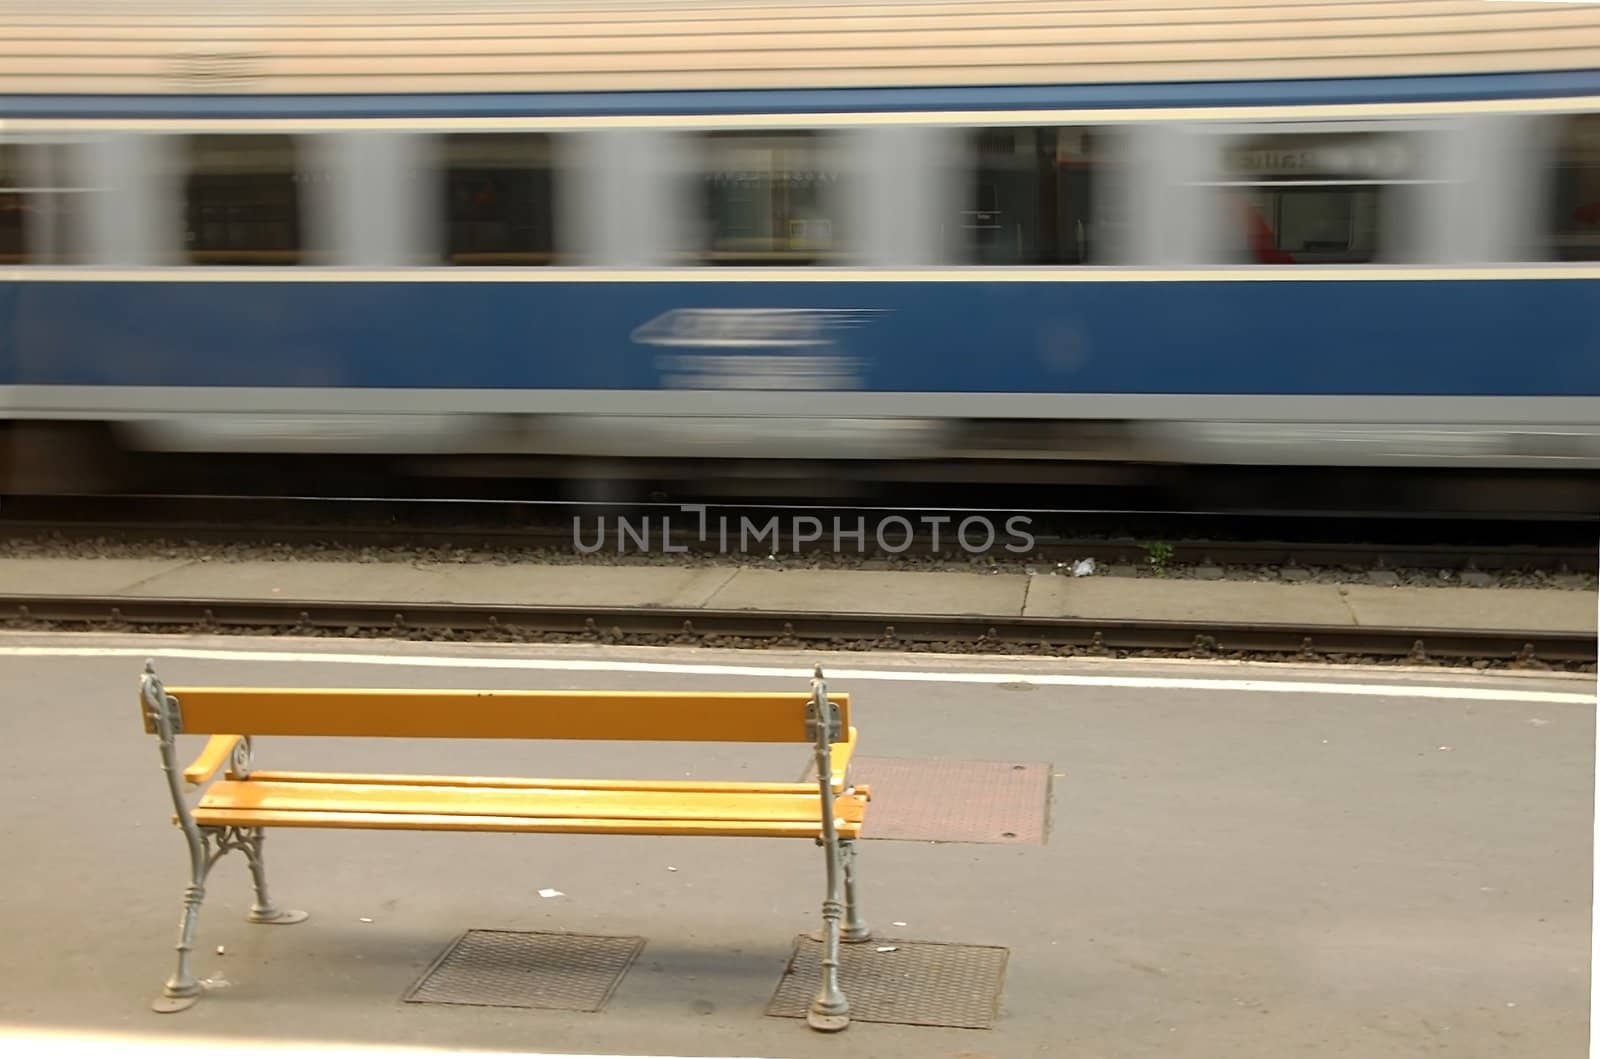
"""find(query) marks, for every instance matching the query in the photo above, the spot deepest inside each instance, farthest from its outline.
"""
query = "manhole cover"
(933, 800)
(917, 983)
(527, 969)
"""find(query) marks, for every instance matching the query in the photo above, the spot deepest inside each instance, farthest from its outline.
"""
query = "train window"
(1032, 199)
(1308, 199)
(1575, 227)
(499, 207)
(769, 198)
(242, 200)
(41, 204)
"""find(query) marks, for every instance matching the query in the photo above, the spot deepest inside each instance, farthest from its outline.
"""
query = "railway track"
(1112, 538)
(1141, 541)
(854, 631)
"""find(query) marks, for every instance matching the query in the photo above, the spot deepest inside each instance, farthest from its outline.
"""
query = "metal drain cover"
(919, 983)
(527, 969)
(934, 800)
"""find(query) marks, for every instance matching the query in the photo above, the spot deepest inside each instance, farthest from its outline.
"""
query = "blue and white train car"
(1307, 232)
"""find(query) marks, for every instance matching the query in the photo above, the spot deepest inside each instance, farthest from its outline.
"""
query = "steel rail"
(839, 631)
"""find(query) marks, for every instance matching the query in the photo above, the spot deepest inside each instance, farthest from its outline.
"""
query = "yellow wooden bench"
(234, 812)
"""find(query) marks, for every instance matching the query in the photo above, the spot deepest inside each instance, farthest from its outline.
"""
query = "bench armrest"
(839, 758)
(218, 749)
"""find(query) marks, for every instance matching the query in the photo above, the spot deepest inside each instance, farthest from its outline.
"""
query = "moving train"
(1314, 233)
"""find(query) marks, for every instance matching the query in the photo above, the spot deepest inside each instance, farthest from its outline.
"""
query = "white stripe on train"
(1553, 271)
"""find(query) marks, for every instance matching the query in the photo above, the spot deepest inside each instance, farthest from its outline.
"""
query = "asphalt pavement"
(1237, 859)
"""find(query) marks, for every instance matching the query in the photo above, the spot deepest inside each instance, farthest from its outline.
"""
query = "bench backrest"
(742, 717)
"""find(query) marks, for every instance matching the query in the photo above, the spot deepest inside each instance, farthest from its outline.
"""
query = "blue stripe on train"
(987, 97)
(1444, 337)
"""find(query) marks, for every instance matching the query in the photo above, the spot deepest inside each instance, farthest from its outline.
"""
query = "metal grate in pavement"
(527, 969)
(936, 800)
(919, 983)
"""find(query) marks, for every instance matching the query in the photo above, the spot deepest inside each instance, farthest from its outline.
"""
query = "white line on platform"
(1296, 687)
(71, 1043)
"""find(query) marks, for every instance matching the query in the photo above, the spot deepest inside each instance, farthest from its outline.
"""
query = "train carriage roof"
(289, 47)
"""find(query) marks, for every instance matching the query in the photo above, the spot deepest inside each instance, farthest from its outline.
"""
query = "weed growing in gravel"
(1159, 554)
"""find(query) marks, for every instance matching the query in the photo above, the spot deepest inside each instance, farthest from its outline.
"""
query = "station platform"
(730, 587)
(1207, 859)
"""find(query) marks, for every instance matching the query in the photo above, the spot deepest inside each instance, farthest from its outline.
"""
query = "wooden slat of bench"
(532, 803)
(554, 784)
(666, 716)
(568, 825)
